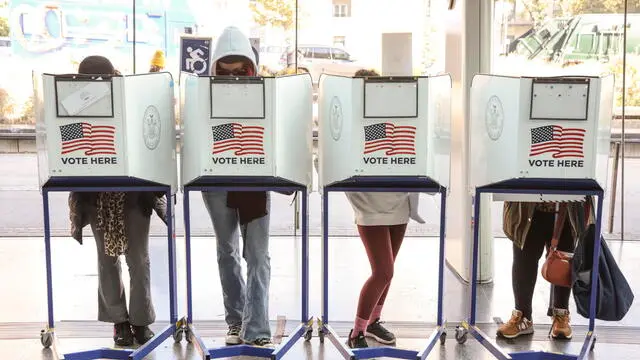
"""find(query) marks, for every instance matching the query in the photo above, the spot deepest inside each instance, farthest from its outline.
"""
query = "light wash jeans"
(244, 304)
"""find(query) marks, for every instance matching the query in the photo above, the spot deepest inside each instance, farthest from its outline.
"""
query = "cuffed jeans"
(246, 304)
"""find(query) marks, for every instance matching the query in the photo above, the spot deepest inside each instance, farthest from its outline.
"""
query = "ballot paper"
(85, 97)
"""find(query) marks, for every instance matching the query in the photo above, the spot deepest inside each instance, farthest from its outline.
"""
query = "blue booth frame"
(258, 183)
(584, 187)
(48, 337)
(382, 184)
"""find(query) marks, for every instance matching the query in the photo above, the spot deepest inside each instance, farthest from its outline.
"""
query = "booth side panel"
(439, 154)
(39, 103)
(336, 135)
(150, 126)
(194, 122)
(294, 128)
(603, 139)
(80, 145)
(495, 115)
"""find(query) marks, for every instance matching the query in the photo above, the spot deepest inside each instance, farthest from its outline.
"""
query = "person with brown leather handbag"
(532, 227)
(557, 268)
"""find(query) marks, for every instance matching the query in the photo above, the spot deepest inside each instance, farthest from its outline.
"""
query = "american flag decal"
(393, 139)
(92, 139)
(558, 141)
(243, 139)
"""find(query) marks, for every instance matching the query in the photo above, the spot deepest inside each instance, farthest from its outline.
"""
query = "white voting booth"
(386, 126)
(122, 126)
(542, 128)
(247, 127)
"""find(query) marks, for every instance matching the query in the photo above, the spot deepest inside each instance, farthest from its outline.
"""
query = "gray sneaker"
(233, 335)
(262, 342)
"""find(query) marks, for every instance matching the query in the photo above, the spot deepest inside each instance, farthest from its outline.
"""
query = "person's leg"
(377, 243)
(141, 311)
(256, 252)
(561, 328)
(375, 329)
(225, 226)
(524, 273)
(112, 303)
(396, 234)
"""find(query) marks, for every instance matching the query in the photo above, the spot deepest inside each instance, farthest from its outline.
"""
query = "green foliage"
(4, 27)
(275, 13)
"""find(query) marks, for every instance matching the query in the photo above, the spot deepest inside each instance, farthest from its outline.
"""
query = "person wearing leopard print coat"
(120, 225)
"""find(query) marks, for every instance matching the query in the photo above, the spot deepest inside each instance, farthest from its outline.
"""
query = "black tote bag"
(614, 295)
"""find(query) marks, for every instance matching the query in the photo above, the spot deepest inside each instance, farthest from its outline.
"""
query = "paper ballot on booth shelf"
(85, 97)
(237, 101)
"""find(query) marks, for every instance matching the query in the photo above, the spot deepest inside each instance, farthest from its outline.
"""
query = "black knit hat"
(96, 65)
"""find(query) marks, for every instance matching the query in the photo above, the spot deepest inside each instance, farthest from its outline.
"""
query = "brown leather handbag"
(557, 267)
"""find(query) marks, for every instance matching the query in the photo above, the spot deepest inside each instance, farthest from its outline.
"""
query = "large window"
(571, 37)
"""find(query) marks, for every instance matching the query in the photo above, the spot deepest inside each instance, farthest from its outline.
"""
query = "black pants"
(524, 271)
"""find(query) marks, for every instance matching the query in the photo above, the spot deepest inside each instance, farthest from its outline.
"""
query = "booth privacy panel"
(407, 133)
(294, 128)
(337, 153)
(554, 143)
(80, 135)
(151, 135)
(243, 143)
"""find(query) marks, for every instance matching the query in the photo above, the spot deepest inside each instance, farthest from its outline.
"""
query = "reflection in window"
(321, 53)
(341, 8)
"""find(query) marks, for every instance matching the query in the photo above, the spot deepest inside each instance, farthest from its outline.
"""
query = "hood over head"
(232, 42)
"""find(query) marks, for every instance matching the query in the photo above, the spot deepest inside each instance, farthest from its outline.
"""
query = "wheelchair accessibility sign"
(194, 55)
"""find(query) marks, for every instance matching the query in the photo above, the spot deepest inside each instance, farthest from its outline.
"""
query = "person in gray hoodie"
(233, 213)
(382, 219)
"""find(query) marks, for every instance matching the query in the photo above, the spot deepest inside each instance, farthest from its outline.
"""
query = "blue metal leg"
(440, 330)
(47, 254)
(443, 225)
(302, 328)
(472, 328)
(474, 262)
(197, 342)
(337, 343)
(305, 256)
(152, 344)
(589, 341)
(99, 354)
(187, 239)
(325, 256)
(171, 244)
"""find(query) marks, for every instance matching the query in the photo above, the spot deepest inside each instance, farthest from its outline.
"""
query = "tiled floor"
(411, 305)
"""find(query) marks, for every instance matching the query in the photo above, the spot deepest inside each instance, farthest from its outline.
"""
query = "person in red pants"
(382, 219)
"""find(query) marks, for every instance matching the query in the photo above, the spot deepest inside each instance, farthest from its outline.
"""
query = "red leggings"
(382, 244)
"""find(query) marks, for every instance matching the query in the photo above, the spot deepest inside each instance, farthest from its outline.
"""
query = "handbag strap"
(559, 225)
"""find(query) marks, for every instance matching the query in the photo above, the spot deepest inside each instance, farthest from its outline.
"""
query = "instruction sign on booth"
(121, 126)
(247, 126)
(555, 128)
(384, 126)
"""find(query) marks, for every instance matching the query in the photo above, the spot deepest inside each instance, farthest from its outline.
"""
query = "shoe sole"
(233, 341)
(521, 333)
(561, 337)
(380, 340)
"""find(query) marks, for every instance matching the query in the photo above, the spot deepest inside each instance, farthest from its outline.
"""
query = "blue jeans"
(244, 304)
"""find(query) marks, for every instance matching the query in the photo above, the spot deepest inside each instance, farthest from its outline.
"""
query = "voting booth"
(539, 128)
(539, 139)
(247, 127)
(384, 126)
(247, 134)
(384, 134)
(93, 127)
